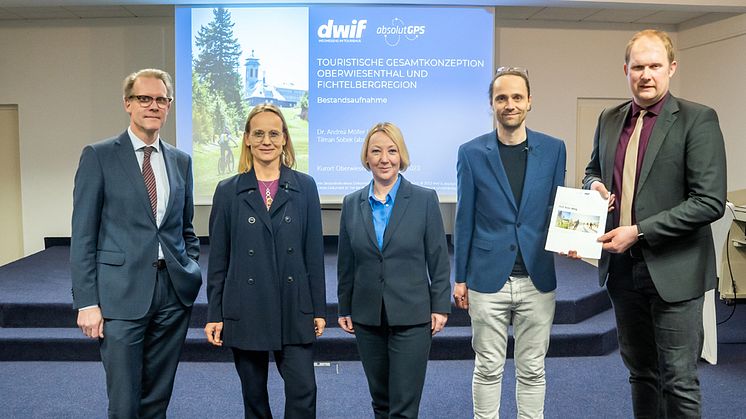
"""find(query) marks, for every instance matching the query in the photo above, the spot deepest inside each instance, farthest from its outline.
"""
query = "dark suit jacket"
(490, 224)
(265, 277)
(115, 237)
(410, 275)
(680, 191)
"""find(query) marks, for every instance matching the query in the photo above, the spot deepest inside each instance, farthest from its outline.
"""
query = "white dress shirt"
(161, 176)
(161, 181)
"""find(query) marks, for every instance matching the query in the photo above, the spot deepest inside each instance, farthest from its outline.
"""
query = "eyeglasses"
(504, 70)
(145, 100)
(274, 136)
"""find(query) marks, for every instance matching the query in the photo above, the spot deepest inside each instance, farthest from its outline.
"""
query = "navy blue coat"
(265, 277)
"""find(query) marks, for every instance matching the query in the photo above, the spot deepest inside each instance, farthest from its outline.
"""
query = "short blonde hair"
(651, 33)
(246, 160)
(394, 133)
(155, 73)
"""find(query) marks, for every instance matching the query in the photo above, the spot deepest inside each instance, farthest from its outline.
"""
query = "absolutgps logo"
(332, 32)
(393, 33)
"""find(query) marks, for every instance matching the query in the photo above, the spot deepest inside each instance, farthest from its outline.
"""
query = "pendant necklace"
(268, 192)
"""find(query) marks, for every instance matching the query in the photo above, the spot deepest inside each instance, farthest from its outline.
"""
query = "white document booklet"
(578, 219)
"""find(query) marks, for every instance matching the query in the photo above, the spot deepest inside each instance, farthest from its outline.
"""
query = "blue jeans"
(659, 341)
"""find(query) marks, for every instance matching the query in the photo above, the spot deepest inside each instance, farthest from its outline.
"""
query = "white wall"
(66, 78)
(712, 70)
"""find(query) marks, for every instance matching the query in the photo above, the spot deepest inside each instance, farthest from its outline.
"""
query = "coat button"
(290, 279)
(512, 247)
(290, 250)
(518, 225)
(252, 220)
(251, 252)
(288, 219)
(250, 281)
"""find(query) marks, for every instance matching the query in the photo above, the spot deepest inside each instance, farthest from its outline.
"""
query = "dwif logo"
(331, 32)
(393, 34)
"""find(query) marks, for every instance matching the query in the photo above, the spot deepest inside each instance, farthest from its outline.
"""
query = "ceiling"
(663, 12)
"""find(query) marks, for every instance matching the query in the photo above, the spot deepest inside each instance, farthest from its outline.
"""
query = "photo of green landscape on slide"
(237, 64)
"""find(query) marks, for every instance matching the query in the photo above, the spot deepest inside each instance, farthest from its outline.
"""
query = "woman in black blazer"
(393, 270)
(265, 280)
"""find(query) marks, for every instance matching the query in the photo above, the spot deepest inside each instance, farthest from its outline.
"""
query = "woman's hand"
(437, 322)
(213, 332)
(346, 324)
(319, 324)
(571, 254)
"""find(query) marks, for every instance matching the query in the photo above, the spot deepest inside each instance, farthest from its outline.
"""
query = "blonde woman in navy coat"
(265, 281)
(393, 272)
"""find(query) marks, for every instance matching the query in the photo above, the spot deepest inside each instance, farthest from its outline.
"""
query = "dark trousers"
(140, 356)
(295, 364)
(395, 361)
(660, 342)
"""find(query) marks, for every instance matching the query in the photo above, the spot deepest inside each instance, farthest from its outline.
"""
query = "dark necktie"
(149, 177)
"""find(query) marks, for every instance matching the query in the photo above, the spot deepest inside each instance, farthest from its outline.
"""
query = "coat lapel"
(662, 124)
(247, 186)
(169, 158)
(286, 184)
(367, 214)
(493, 156)
(616, 124)
(401, 201)
(130, 166)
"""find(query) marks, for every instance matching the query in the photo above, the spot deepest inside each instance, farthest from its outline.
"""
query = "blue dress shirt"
(382, 210)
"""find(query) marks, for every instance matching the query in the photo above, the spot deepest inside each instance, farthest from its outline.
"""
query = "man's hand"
(346, 324)
(213, 331)
(619, 239)
(91, 322)
(600, 188)
(571, 254)
(461, 295)
(437, 322)
(319, 324)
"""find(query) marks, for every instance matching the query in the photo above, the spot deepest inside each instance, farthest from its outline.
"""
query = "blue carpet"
(581, 387)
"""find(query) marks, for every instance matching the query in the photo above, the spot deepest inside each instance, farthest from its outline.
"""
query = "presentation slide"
(335, 71)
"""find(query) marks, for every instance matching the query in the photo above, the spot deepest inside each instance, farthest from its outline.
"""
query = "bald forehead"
(650, 40)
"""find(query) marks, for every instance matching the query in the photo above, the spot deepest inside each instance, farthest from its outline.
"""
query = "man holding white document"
(506, 184)
(663, 160)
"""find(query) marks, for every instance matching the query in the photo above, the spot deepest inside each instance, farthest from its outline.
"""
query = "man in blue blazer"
(658, 254)
(506, 185)
(133, 254)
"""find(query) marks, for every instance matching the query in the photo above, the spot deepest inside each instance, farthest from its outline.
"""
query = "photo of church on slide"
(235, 66)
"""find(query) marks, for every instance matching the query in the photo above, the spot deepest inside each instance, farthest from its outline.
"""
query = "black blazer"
(681, 190)
(410, 275)
(265, 278)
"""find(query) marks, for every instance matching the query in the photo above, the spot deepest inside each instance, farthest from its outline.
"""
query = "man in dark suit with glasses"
(134, 251)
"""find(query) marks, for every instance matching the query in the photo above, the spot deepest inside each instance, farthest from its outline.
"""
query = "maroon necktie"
(149, 177)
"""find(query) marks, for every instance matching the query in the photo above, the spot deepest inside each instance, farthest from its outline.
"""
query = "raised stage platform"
(37, 322)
